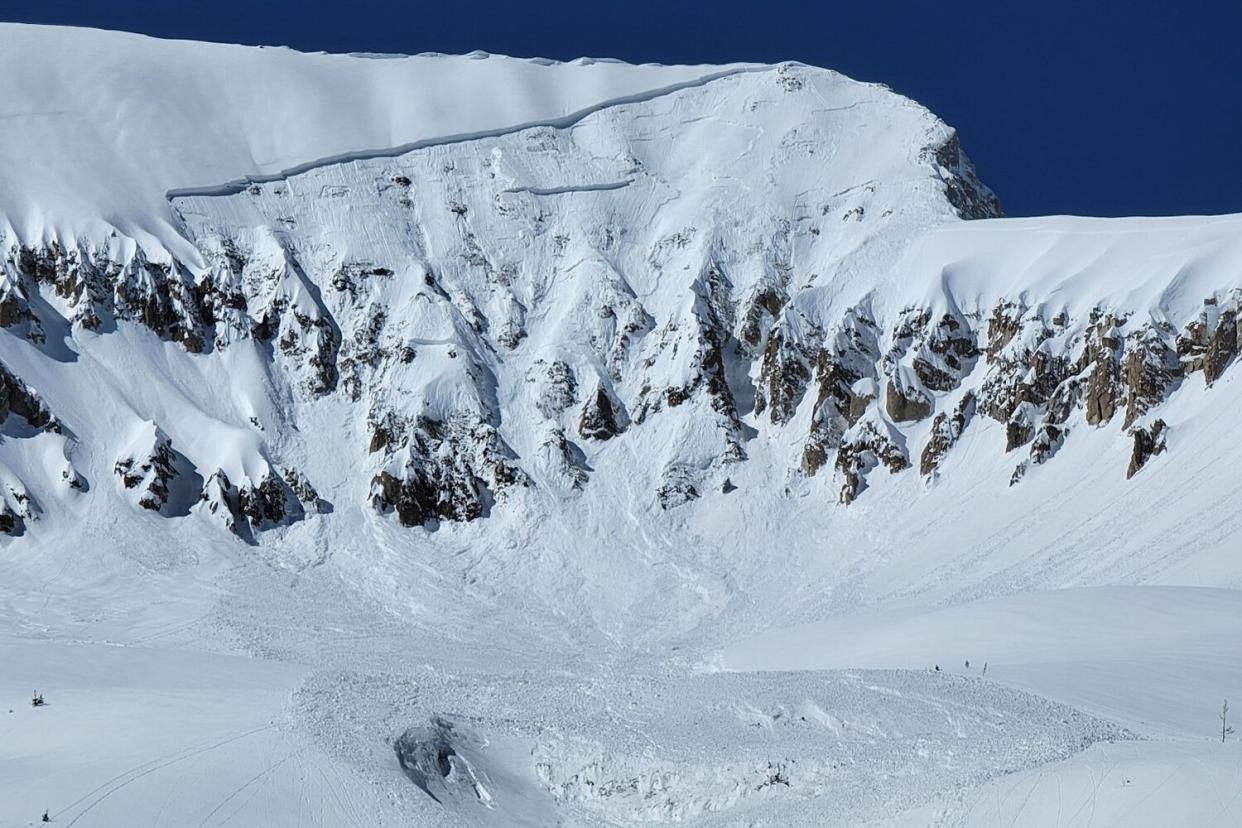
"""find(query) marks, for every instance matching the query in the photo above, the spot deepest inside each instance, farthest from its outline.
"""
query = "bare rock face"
(945, 352)
(100, 287)
(783, 377)
(906, 402)
(253, 290)
(361, 352)
(945, 431)
(15, 302)
(18, 399)
(453, 470)
(11, 523)
(1003, 326)
(248, 508)
(1048, 440)
(845, 373)
(149, 468)
(1148, 442)
(1046, 443)
(1044, 372)
(1020, 427)
(968, 195)
(869, 444)
(1210, 343)
(761, 313)
(17, 509)
(269, 503)
(220, 500)
(926, 357)
(305, 493)
(599, 416)
(1152, 369)
(1067, 399)
(1222, 347)
(1103, 357)
(1025, 372)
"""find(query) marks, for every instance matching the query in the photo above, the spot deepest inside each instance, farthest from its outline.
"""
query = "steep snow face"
(491, 310)
(627, 302)
(105, 123)
(497, 307)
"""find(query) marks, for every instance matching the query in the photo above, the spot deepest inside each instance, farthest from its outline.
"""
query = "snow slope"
(398, 440)
(1157, 660)
(106, 123)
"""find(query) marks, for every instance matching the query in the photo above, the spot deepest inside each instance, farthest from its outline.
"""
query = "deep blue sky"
(1092, 107)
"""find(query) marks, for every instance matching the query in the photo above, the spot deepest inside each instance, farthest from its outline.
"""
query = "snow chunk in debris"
(433, 757)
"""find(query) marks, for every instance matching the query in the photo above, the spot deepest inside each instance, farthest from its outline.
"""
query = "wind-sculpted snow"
(106, 123)
(562, 122)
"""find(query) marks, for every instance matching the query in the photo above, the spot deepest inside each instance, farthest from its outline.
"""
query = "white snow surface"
(104, 124)
(763, 656)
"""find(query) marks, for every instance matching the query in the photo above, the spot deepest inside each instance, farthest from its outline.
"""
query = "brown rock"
(1148, 442)
(599, 419)
(906, 407)
(945, 432)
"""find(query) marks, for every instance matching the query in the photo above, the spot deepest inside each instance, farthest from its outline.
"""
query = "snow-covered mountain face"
(616, 357)
(645, 288)
(676, 272)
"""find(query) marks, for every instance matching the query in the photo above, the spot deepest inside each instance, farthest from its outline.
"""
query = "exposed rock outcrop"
(1210, 343)
(445, 470)
(598, 420)
(691, 349)
(148, 467)
(869, 444)
(1148, 442)
(1152, 370)
(761, 313)
(247, 508)
(305, 493)
(19, 399)
(946, 430)
(845, 374)
(1047, 441)
(784, 375)
(905, 401)
(1103, 357)
(547, 290)
(17, 509)
(971, 198)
